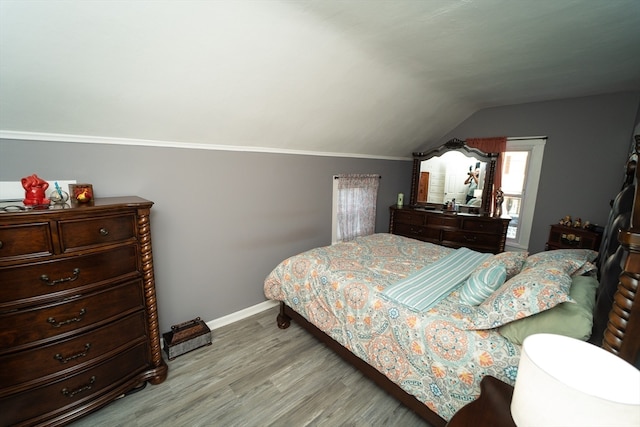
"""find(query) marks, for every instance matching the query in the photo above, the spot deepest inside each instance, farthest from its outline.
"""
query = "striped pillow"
(482, 283)
(423, 289)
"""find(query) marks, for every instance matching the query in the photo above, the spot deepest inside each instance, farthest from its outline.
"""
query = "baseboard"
(242, 314)
(238, 315)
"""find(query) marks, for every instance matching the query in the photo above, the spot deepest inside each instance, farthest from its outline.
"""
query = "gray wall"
(222, 220)
(587, 146)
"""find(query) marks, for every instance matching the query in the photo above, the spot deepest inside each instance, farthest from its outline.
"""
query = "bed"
(431, 345)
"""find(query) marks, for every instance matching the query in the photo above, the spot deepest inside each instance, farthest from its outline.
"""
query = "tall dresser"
(482, 233)
(78, 312)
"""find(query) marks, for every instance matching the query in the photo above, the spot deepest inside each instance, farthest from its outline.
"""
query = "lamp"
(563, 381)
(477, 193)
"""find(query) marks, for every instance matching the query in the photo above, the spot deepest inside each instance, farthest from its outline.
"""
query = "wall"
(587, 147)
(222, 220)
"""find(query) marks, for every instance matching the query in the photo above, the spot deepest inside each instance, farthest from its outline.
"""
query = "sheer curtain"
(355, 197)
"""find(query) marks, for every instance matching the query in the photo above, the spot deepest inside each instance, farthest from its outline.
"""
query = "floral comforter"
(430, 355)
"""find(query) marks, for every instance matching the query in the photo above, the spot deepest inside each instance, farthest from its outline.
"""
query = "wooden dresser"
(78, 311)
(477, 232)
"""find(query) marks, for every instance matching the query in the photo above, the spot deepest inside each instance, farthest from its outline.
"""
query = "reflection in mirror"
(433, 183)
(451, 176)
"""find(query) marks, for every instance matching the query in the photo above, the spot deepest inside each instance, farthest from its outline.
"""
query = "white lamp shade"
(477, 194)
(567, 382)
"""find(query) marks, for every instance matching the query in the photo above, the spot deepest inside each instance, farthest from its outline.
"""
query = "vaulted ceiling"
(379, 78)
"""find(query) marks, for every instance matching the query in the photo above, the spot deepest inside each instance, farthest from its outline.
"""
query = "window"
(521, 167)
(354, 206)
(514, 172)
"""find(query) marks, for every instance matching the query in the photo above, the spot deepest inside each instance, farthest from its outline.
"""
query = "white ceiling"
(381, 78)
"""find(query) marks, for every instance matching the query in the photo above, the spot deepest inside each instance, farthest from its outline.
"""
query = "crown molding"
(86, 139)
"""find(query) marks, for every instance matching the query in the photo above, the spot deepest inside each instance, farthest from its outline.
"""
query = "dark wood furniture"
(419, 188)
(563, 237)
(77, 308)
(617, 314)
(491, 409)
(478, 232)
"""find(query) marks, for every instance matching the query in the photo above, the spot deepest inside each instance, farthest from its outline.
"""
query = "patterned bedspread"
(430, 355)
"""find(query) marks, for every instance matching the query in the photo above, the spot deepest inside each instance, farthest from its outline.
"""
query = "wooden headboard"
(617, 316)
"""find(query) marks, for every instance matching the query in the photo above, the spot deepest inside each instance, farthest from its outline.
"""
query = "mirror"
(447, 173)
(450, 176)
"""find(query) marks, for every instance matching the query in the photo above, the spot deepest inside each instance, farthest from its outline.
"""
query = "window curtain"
(356, 208)
(498, 145)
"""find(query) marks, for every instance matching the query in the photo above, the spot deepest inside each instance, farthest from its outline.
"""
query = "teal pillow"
(482, 283)
(571, 319)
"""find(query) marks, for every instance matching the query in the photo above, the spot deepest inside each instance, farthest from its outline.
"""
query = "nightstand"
(491, 409)
(563, 237)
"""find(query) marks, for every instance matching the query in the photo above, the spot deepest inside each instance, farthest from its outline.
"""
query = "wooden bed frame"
(617, 314)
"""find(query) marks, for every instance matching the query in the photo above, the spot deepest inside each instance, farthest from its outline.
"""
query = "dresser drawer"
(410, 217)
(470, 239)
(60, 357)
(53, 279)
(495, 227)
(81, 233)
(443, 220)
(76, 389)
(62, 319)
(420, 232)
(25, 240)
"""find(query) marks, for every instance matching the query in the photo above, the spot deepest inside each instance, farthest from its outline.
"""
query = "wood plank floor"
(255, 374)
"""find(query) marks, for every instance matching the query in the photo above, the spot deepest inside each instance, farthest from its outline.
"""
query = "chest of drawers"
(477, 232)
(78, 312)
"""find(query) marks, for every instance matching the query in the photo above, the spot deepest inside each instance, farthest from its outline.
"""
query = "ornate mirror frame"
(456, 144)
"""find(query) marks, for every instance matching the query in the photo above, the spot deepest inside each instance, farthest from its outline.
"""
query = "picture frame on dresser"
(64, 352)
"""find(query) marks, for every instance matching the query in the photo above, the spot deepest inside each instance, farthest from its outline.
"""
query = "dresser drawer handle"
(60, 358)
(470, 238)
(0, 244)
(104, 232)
(76, 274)
(69, 393)
(65, 322)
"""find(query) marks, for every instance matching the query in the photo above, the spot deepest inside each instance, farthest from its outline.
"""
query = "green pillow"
(568, 318)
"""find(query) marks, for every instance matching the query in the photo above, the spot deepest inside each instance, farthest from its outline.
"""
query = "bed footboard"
(284, 320)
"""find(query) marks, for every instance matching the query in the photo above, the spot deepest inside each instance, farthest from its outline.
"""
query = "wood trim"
(622, 335)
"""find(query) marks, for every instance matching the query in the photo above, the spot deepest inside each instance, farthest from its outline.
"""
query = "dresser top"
(16, 207)
(461, 213)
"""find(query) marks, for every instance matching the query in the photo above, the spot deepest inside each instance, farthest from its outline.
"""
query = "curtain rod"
(338, 177)
(525, 138)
